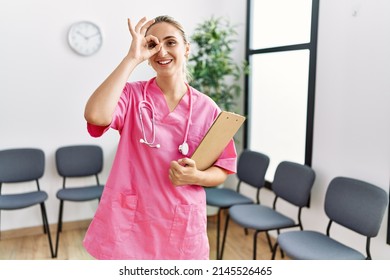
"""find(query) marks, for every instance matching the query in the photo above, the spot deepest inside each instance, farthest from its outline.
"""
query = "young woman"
(153, 205)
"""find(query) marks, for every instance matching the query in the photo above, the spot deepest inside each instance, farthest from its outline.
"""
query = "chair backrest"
(21, 165)
(79, 160)
(356, 204)
(251, 168)
(293, 182)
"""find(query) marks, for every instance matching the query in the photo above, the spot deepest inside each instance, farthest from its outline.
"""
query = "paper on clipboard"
(216, 139)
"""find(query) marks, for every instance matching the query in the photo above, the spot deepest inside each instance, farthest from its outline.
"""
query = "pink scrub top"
(141, 215)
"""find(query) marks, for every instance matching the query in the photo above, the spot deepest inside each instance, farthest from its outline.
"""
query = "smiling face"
(170, 61)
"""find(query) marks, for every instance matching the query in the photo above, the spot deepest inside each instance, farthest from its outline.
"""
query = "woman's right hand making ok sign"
(142, 47)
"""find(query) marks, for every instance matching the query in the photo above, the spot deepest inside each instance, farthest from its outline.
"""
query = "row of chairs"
(28, 164)
(354, 204)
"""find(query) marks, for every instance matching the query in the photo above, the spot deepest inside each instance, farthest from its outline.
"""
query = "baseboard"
(36, 230)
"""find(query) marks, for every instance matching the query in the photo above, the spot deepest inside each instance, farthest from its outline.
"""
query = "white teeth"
(164, 62)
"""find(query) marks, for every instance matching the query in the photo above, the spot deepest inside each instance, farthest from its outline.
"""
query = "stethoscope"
(144, 104)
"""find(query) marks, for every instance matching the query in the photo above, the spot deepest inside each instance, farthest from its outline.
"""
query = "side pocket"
(127, 205)
(179, 225)
(188, 232)
(113, 221)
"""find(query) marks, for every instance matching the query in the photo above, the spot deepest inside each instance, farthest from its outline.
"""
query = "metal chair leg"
(47, 228)
(224, 235)
(274, 250)
(59, 227)
(43, 223)
(255, 244)
(218, 231)
(269, 241)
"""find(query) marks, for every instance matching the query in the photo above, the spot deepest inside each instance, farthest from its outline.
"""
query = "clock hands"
(87, 37)
(93, 35)
(82, 35)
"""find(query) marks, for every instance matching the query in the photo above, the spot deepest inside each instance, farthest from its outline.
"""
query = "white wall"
(44, 85)
(352, 116)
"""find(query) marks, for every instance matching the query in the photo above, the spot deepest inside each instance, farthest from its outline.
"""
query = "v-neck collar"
(161, 105)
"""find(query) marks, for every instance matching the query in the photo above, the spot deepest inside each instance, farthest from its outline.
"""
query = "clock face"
(85, 38)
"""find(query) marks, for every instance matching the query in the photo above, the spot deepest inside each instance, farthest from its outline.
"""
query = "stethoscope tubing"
(149, 106)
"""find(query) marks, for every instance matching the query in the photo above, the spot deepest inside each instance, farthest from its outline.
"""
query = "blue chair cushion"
(312, 245)
(80, 193)
(225, 198)
(22, 200)
(259, 217)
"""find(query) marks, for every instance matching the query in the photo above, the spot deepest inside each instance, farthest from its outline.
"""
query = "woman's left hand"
(184, 172)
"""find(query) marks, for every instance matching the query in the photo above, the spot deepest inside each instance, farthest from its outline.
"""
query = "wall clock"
(85, 38)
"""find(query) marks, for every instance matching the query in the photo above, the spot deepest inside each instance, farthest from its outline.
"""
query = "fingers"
(187, 162)
(141, 27)
(142, 47)
(152, 43)
(131, 29)
(145, 27)
(182, 172)
(140, 24)
(174, 174)
(175, 167)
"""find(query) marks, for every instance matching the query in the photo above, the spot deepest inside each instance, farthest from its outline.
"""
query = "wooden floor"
(36, 247)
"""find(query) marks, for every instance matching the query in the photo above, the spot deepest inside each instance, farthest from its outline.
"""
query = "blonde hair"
(178, 26)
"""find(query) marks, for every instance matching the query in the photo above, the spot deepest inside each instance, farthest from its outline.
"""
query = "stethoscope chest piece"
(184, 149)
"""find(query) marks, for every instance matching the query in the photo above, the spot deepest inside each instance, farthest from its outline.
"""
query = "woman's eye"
(151, 45)
(171, 43)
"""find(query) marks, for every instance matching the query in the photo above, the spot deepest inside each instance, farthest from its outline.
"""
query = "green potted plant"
(213, 70)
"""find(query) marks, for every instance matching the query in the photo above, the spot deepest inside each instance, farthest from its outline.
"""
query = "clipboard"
(216, 139)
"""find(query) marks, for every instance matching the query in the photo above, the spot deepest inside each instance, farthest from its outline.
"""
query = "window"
(281, 51)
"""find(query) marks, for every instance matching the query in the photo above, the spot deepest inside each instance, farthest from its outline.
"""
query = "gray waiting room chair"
(354, 204)
(23, 165)
(292, 183)
(251, 169)
(78, 161)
